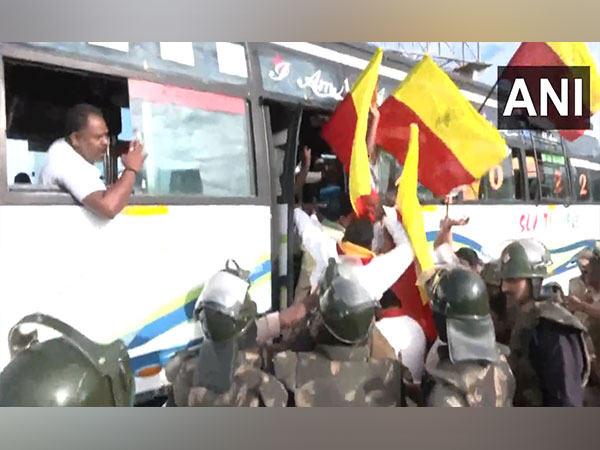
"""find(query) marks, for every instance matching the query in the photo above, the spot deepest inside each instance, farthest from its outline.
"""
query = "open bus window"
(197, 142)
(38, 97)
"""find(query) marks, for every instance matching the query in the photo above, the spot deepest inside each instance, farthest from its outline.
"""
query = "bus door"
(292, 130)
(283, 124)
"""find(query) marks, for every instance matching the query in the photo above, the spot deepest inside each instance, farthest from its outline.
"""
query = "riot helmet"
(347, 309)
(462, 314)
(70, 370)
(526, 259)
(224, 308)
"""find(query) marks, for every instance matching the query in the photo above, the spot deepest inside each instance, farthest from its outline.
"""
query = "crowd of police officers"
(503, 340)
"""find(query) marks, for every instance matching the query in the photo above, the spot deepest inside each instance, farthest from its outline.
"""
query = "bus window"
(197, 142)
(585, 178)
(388, 171)
(584, 159)
(552, 177)
(502, 182)
(37, 99)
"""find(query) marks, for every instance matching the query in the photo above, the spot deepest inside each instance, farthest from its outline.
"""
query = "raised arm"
(110, 202)
(384, 270)
(372, 134)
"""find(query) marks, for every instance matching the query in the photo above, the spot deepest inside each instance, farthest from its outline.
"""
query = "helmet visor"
(225, 293)
(471, 339)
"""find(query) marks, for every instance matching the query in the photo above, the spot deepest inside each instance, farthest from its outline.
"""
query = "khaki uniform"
(467, 384)
(336, 375)
(251, 385)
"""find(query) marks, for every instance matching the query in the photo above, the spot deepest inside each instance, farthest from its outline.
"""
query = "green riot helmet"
(461, 308)
(346, 307)
(70, 370)
(525, 258)
(224, 308)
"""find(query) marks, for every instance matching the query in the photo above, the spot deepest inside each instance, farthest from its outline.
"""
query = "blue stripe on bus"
(182, 314)
(260, 270)
(575, 246)
(431, 235)
(163, 324)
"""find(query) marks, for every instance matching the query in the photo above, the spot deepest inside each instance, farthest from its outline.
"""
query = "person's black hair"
(470, 256)
(360, 232)
(337, 207)
(77, 117)
(310, 193)
(345, 205)
(22, 178)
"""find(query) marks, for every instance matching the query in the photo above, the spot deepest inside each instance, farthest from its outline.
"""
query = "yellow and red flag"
(346, 134)
(457, 144)
(561, 54)
(414, 299)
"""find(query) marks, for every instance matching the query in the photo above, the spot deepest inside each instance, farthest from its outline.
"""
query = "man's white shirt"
(377, 276)
(67, 169)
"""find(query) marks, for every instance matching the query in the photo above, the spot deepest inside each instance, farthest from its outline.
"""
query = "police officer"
(340, 370)
(70, 370)
(226, 368)
(584, 301)
(465, 366)
(549, 350)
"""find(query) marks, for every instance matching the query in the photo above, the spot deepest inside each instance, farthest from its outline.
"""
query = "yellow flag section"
(408, 204)
(362, 94)
(457, 144)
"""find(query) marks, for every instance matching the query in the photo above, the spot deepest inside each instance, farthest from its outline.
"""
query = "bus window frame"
(250, 93)
(574, 184)
(568, 200)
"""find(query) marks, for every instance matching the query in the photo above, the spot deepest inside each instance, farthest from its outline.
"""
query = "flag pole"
(488, 96)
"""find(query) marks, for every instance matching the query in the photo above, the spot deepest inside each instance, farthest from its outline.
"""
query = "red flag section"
(412, 303)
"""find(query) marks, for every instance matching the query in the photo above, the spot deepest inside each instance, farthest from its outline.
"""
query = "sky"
(499, 53)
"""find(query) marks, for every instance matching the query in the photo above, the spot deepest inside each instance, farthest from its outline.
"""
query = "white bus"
(211, 187)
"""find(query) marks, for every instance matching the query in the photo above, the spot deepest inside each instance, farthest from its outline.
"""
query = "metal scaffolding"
(452, 56)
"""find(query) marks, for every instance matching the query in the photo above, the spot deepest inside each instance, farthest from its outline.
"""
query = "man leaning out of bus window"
(70, 163)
